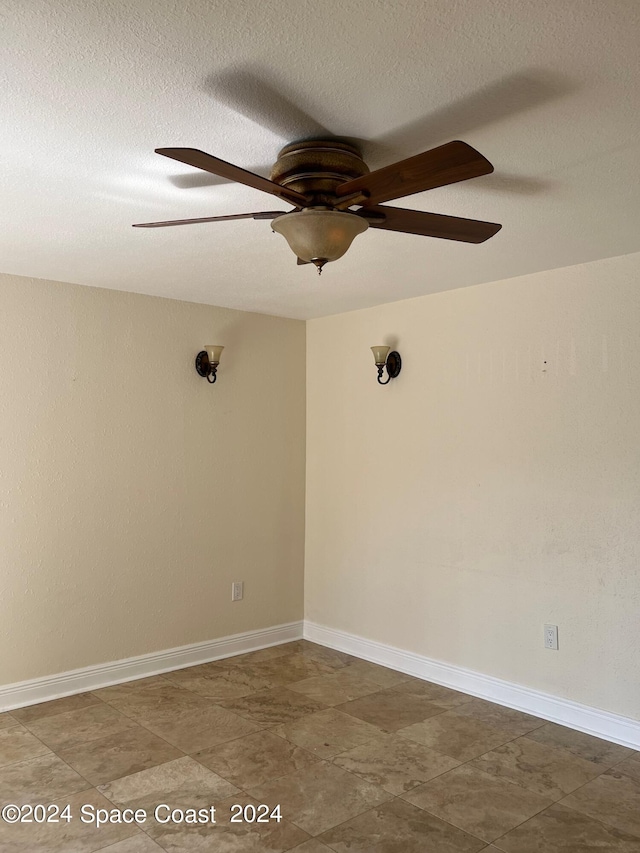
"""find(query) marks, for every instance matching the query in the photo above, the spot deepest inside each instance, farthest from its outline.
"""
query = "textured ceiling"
(548, 90)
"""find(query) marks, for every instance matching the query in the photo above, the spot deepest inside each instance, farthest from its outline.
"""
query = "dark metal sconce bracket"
(393, 366)
(205, 368)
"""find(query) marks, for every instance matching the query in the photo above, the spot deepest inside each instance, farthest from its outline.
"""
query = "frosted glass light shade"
(213, 353)
(380, 354)
(319, 234)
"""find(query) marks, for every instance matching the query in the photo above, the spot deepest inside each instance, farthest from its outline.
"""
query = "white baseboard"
(612, 727)
(102, 675)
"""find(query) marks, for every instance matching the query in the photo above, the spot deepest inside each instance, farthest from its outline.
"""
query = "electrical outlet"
(551, 637)
(237, 590)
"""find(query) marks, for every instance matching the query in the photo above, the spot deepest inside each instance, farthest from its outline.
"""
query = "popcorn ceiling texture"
(491, 488)
(132, 492)
(549, 91)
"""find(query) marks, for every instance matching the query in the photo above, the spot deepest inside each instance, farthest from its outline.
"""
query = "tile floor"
(359, 757)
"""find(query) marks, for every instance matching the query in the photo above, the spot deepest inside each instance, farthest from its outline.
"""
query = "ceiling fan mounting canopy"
(325, 179)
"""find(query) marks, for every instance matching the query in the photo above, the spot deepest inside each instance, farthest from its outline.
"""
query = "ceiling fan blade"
(447, 164)
(209, 163)
(429, 224)
(301, 262)
(267, 214)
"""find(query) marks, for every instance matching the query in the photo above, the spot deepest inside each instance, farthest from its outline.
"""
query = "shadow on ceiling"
(251, 91)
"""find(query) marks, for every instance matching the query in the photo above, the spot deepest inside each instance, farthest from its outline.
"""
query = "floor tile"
(109, 758)
(157, 697)
(320, 797)
(631, 766)
(312, 846)
(297, 646)
(443, 696)
(192, 731)
(328, 732)
(56, 706)
(460, 737)
(6, 720)
(180, 783)
(391, 710)
(562, 830)
(500, 717)
(272, 837)
(334, 689)
(73, 836)
(365, 755)
(265, 675)
(273, 707)
(250, 761)
(18, 744)
(300, 647)
(394, 763)
(539, 768)
(398, 827)
(330, 657)
(76, 727)
(118, 692)
(585, 746)
(227, 837)
(139, 843)
(613, 798)
(482, 805)
(39, 780)
(219, 684)
(382, 675)
(188, 673)
(286, 670)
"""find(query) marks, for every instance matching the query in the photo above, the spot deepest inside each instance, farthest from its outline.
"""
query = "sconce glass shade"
(380, 354)
(319, 234)
(213, 353)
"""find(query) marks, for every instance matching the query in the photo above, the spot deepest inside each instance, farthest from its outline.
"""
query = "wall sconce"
(207, 362)
(391, 360)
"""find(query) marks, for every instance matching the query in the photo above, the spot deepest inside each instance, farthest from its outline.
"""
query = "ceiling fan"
(325, 179)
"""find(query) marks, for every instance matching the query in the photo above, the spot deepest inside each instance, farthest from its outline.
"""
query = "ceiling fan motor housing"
(315, 167)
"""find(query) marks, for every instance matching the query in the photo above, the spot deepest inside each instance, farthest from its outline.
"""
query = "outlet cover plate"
(551, 637)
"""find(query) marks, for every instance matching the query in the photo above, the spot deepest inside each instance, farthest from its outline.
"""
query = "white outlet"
(551, 637)
(237, 590)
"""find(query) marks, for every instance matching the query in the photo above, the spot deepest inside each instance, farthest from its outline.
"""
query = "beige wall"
(493, 487)
(132, 493)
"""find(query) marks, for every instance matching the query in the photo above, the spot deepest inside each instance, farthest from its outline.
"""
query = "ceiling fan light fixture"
(317, 235)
